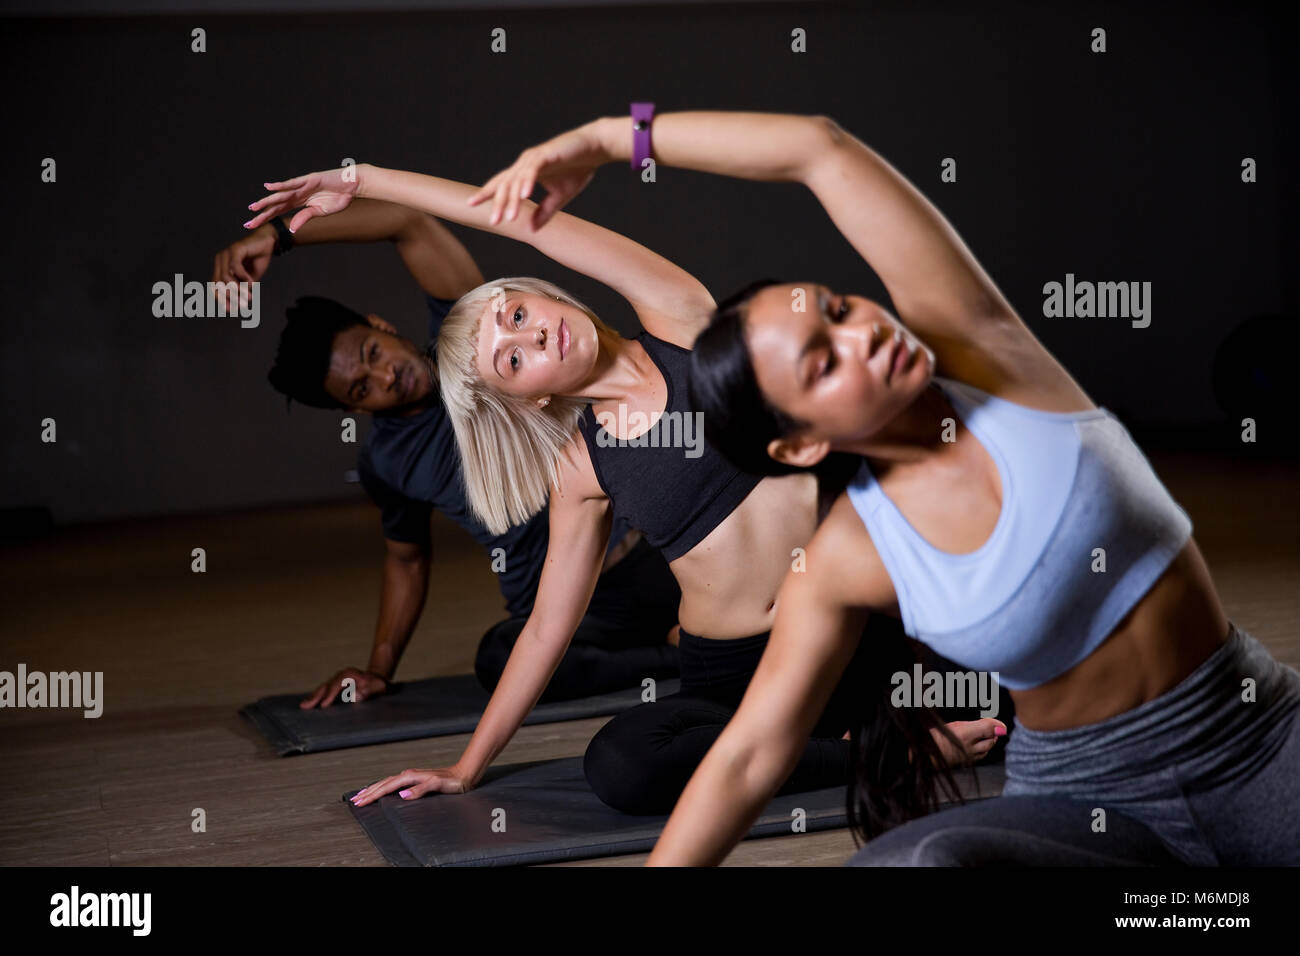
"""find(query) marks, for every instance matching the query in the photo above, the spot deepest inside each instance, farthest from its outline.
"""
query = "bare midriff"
(1176, 626)
(730, 580)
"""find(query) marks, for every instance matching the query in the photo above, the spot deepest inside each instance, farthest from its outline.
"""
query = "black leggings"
(641, 761)
(622, 640)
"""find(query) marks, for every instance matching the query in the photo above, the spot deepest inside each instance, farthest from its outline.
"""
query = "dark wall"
(1122, 166)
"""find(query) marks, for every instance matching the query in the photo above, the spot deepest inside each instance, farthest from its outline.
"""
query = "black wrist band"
(283, 237)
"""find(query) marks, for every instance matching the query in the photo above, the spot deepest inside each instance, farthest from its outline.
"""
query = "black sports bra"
(669, 483)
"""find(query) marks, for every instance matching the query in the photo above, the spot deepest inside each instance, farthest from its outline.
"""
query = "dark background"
(1123, 166)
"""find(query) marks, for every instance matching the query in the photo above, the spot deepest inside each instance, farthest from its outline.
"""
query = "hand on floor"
(366, 685)
(413, 784)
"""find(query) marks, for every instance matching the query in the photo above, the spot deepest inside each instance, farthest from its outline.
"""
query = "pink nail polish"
(248, 224)
(405, 794)
(999, 731)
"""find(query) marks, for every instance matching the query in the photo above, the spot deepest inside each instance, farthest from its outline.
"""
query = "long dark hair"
(900, 771)
(738, 421)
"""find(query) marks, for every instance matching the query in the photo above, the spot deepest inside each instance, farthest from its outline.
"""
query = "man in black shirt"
(332, 357)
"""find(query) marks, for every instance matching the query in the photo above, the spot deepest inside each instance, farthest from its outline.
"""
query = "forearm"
(365, 220)
(577, 539)
(806, 655)
(444, 198)
(434, 257)
(770, 147)
(401, 601)
(721, 802)
(532, 663)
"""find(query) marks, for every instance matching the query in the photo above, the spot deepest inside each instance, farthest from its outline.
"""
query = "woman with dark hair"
(1014, 527)
(548, 401)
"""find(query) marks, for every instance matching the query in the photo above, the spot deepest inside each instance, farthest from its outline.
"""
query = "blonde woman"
(548, 401)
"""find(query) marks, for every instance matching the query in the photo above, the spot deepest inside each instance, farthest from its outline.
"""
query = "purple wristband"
(643, 115)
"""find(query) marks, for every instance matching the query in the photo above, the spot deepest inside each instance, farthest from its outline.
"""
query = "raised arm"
(579, 530)
(438, 261)
(936, 284)
(934, 281)
(434, 257)
(939, 289)
(668, 300)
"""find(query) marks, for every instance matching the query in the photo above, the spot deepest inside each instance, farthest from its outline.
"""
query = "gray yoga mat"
(435, 707)
(550, 814)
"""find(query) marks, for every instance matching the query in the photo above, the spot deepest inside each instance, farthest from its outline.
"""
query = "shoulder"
(679, 331)
(844, 568)
(575, 480)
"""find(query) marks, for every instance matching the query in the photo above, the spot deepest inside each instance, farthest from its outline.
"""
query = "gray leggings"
(1206, 774)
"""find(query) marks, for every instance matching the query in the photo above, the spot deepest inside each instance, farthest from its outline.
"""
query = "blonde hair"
(509, 447)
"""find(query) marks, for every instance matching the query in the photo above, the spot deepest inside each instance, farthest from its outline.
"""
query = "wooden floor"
(289, 596)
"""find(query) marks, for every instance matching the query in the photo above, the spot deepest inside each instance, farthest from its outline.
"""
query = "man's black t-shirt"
(409, 466)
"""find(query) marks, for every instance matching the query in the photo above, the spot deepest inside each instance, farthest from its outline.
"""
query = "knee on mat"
(618, 773)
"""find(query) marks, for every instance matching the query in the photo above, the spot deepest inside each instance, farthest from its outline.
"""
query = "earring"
(543, 403)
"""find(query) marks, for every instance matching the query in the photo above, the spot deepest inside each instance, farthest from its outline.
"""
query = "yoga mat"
(550, 814)
(435, 707)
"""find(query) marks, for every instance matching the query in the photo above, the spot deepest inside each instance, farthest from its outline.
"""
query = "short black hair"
(302, 358)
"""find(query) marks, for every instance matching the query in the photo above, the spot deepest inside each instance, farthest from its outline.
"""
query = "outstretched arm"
(927, 269)
(436, 259)
(668, 300)
(938, 287)
(579, 530)
(819, 619)
(936, 284)
(813, 639)
(402, 594)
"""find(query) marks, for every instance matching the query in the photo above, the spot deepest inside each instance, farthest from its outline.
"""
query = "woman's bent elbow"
(825, 137)
(826, 126)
